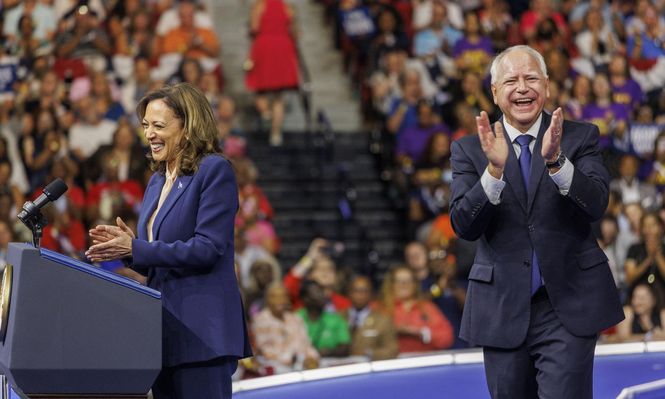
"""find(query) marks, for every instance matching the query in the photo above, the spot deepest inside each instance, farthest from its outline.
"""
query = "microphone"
(51, 193)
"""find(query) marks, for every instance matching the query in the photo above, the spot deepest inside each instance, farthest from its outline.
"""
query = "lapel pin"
(179, 185)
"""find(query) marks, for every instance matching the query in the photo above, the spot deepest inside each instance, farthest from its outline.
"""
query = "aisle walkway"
(331, 88)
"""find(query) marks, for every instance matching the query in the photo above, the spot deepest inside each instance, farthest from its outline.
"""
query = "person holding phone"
(317, 265)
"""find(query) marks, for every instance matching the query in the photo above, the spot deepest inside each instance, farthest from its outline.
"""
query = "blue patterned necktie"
(525, 165)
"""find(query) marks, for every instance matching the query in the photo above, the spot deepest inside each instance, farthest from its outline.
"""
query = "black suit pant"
(550, 364)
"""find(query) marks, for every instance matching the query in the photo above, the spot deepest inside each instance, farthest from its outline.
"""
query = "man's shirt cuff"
(493, 187)
(564, 177)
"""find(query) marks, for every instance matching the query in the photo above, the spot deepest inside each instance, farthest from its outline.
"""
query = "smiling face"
(438, 13)
(277, 300)
(415, 255)
(404, 284)
(314, 297)
(45, 122)
(262, 272)
(360, 292)
(651, 226)
(617, 66)
(124, 138)
(520, 89)
(582, 88)
(440, 146)
(187, 12)
(163, 131)
(471, 26)
(323, 272)
(142, 70)
(601, 86)
(26, 26)
(643, 300)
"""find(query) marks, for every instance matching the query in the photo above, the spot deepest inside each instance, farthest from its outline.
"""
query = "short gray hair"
(521, 47)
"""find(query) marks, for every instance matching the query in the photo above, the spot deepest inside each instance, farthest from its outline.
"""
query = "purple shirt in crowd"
(476, 52)
(629, 94)
(463, 45)
(603, 116)
(413, 141)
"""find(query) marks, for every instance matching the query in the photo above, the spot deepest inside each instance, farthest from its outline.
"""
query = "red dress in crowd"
(274, 62)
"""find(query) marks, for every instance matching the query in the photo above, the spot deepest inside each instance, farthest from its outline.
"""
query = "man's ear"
(496, 101)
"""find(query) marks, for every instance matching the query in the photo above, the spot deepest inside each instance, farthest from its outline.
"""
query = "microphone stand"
(35, 221)
(37, 228)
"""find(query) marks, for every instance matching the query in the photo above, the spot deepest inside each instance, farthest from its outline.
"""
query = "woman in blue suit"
(185, 245)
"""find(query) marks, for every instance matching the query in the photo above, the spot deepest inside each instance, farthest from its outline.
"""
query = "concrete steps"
(331, 88)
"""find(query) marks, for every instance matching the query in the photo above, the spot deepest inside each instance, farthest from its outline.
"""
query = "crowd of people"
(71, 75)
(72, 72)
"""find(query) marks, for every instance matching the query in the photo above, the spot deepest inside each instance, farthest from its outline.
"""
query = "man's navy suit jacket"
(573, 267)
(191, 262)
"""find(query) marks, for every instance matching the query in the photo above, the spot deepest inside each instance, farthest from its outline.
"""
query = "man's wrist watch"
(557, 163)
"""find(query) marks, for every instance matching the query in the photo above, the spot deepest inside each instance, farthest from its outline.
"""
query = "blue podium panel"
(74, 329)
(97, 272)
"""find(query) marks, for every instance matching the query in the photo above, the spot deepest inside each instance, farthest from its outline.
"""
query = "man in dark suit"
(540, 289)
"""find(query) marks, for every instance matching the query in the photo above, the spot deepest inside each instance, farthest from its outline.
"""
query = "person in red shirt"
(109, 196)
(64, 234)
(539, 11)
(316, 265)
(420, 325)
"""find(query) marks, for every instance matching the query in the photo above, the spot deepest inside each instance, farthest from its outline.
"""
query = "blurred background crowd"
(72, 71)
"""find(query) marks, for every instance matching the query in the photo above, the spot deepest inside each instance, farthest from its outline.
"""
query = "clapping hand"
(110, 242)
(552, 138)
(493, 143)
(653, 246)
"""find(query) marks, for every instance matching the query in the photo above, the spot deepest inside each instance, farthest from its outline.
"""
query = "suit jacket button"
(531, 228)
(527, 263)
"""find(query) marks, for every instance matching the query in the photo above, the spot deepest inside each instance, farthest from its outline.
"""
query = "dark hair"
(199, 128)
(427, 156)
(618, 197)
(424, 102)
(364, 277)
(655, 293)
(547, 29)
(185, 61)
(397, 18)
(123, 126)
(306, 285)
(654, 215)
(23, 18)
(609, 217)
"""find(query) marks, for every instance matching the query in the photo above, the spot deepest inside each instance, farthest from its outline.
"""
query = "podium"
(71, 330)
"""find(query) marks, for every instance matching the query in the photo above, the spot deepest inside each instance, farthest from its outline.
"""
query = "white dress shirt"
(493, 187)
